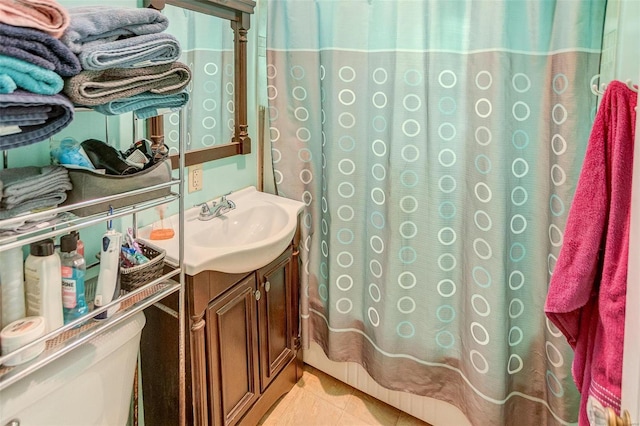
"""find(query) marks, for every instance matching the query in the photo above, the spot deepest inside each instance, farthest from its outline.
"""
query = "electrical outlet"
(195, 178)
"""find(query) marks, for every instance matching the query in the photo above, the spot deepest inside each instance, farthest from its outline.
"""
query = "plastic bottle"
(80, 243)
(12, 286)
(72, 271)
(108, 286)
(43, 284)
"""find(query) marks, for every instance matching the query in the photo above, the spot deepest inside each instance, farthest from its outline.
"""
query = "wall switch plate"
(195, 178)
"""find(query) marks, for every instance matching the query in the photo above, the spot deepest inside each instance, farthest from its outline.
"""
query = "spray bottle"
(108, 286)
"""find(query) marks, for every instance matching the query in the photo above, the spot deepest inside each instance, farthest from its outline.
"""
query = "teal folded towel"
(28, 76)
(7, 85)
(145, 105)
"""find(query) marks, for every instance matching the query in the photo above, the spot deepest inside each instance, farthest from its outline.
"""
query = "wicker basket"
(136, 276)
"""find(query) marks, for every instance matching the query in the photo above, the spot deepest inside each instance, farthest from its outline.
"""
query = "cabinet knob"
(257, 294)
(267, 286)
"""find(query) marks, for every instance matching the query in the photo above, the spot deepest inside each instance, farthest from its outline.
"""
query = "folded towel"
(145, 105)
(32, 224)
(131, 52)
(38, 48)
(24, 122)
(58, 117)
(24, 184)
(17, 179)
(28, 189)
(27, 222)
(30, 77)
(7, 85)
(96, 25)
(44, 15)
(100, 87)
(18, 115)
(43, 203)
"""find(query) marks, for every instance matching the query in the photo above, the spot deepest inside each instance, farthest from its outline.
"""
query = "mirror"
(223, 133)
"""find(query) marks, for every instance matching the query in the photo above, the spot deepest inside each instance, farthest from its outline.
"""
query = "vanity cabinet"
(277, 341)
(242, 350)
(232, 331)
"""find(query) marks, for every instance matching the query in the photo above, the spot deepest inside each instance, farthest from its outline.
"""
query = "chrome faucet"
(217, 209)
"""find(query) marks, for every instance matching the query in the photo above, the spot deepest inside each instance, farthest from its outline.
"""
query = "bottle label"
(32, 286)
(68, 293)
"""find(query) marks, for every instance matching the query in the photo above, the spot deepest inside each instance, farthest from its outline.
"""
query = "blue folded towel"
(59, 117)
(100, 24)
(29, 77)
(145, 105)
(39, 49)
(131, 52)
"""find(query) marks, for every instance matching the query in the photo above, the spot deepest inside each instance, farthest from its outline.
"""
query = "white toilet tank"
(91, 385)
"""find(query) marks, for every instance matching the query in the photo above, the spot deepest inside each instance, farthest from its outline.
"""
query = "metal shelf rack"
(82, 330)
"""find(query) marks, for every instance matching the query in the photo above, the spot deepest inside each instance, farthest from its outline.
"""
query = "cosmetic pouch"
(89, 185)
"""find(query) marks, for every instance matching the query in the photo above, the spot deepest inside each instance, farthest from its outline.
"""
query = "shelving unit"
(85, 328)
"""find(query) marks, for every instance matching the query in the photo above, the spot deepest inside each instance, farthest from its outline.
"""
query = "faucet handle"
(204, 207)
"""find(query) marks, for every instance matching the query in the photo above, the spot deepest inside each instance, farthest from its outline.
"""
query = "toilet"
(90, 385)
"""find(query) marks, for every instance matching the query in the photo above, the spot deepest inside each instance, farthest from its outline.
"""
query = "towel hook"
(631, 86)
(599, 91)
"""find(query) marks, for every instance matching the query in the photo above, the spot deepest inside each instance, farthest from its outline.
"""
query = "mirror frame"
(237, 12)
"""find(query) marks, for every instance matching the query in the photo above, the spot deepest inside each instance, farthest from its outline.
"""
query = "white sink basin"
(242, 240)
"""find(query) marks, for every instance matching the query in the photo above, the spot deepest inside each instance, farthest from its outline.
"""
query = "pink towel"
(586, 298)
(44, 15)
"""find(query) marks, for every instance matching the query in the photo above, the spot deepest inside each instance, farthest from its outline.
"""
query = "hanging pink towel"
(586, 298)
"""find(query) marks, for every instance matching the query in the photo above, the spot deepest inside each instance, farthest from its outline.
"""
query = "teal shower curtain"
(437, 145)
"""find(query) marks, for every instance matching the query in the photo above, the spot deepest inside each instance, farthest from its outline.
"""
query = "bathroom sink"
(242, 240)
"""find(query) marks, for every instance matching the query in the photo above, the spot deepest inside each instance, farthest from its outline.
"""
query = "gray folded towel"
(24, 184)
(98, 24)
(131, 52)
(44, 203)
(26, 223)
(32, 189)
(15, 114)
(100, 87)
(21, 104)
(38, 48)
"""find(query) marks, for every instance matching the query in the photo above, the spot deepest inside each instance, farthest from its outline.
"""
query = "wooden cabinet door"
(275, 317)
(233, 353)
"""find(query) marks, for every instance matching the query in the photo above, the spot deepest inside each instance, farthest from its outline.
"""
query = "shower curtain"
(437, 145)
(207, 48)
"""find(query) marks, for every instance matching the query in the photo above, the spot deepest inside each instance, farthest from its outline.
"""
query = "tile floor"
(320, 400)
